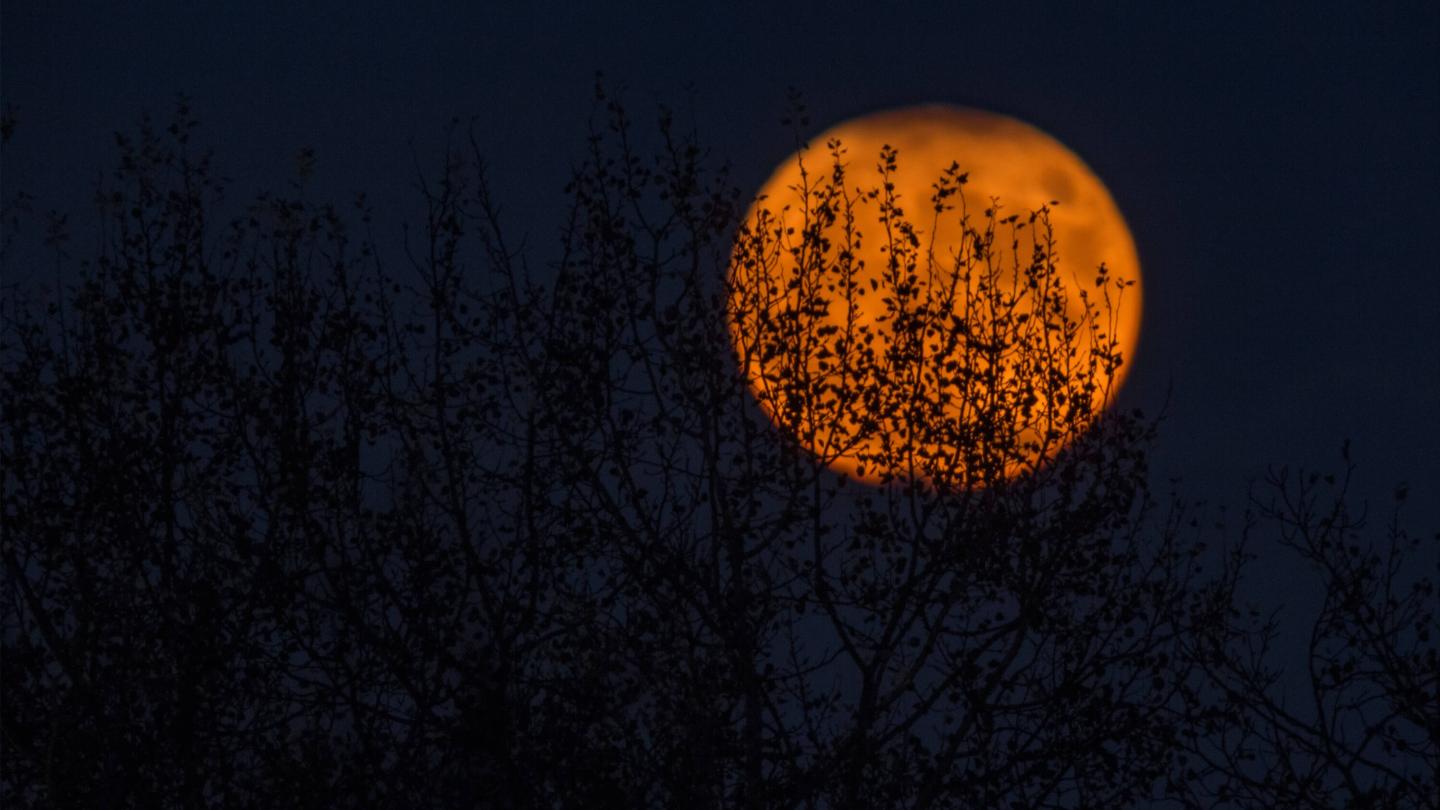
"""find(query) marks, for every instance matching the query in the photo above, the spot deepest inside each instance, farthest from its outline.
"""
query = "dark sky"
(1278, 163)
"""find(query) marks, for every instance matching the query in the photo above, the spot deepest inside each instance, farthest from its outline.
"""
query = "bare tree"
(1357, 723)
(776, 636)
(297, 516)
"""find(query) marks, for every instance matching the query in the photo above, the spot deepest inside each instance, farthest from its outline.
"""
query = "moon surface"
(781, 336)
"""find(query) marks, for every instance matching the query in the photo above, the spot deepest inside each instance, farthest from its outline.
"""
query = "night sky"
(1277, 163)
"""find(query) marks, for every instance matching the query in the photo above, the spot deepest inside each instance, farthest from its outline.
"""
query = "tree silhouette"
(284, 525)
(1359, 725)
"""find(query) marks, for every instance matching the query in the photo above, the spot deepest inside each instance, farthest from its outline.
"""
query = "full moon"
(854, 240)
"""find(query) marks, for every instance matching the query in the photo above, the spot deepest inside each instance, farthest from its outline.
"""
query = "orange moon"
(1006, 161)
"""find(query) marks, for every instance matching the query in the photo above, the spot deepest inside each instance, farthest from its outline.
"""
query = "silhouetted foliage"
(285, 525)
(1357, 723)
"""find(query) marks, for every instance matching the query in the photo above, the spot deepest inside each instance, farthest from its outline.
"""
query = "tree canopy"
(297, 516)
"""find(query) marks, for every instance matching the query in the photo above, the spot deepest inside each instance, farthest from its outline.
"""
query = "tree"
(923, 645)
(284, 525)
(1359, 724)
